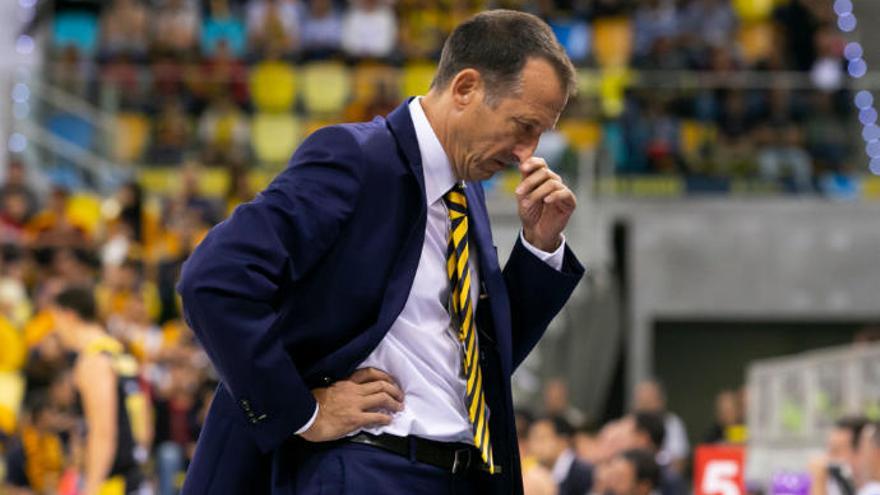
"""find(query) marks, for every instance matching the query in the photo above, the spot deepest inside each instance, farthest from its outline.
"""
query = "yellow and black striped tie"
(462, 313)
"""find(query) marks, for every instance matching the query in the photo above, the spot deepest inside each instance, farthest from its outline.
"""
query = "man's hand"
(366, 398)
(544, 203)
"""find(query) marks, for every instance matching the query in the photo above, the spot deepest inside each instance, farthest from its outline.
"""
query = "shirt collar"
(563, 465)
(438, 171)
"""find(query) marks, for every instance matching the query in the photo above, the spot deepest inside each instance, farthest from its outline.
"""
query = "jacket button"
(326, 380)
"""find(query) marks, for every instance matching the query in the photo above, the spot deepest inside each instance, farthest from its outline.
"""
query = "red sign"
(718, 470)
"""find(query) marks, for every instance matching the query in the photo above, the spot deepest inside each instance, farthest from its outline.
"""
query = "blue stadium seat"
(76, 28)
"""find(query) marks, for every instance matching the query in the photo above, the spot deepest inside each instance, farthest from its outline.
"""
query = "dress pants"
(357, 469)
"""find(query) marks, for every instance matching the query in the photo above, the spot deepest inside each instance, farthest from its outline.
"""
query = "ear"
(467, 88)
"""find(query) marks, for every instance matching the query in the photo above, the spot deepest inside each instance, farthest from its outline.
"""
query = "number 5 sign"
(718, 470)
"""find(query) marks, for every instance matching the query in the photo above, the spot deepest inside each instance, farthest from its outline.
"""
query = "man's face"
(544, 443)
(622, 478)
(487, 139)
(840, 448)
(648, 398)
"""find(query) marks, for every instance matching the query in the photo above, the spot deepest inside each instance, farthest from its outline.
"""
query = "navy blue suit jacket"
(297, 287)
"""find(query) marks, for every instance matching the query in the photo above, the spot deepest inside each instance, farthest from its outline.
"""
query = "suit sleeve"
(230, 286)
(537, 293)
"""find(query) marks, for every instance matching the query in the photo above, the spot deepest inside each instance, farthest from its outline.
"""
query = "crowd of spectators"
(128, 249)
(644, 452)
(220, 80)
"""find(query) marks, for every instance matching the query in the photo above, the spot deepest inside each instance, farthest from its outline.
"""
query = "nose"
(525, 149)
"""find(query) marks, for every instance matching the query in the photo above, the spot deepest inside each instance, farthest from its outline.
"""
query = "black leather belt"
(457, 458)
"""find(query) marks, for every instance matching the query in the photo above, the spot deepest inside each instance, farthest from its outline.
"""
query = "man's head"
(555, 396)
(548, 438)
(648, 431)
(502, 80)
(843, 439)
(73, 307)
(649, 396)
(633, 472)
(867, 466)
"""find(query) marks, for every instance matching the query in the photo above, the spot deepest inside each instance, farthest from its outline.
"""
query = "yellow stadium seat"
(274, 137)
(756, 40)
(613, 38)
(132, 136)
(582, 134)
(416, 79)
(84, 210)
(273, 86)
(753, 10)
(326, 87)
(367, 78)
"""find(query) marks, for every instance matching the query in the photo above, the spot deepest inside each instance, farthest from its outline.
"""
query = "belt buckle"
(459, 464)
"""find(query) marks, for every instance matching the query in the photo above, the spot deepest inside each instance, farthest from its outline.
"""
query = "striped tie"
(462, 313)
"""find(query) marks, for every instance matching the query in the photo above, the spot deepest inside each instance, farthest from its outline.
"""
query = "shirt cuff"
(309, 423)
(553, 259)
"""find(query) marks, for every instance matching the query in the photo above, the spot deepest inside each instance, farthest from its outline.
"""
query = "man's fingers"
(563, 197)
(370, 419)
(376, 387)
(530, 165)
(535, 180)
(542, 191)
(381, 400)
(365, 375)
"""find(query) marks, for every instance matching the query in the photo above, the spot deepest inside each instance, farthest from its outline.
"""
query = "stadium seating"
(275, 136)
(76, 28)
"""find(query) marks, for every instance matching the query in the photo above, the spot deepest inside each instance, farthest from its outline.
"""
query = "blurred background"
(725, 154)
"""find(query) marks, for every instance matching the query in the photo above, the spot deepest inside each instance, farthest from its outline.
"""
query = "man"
(832, 473)
(556, 402)
(550, 442)
(117, 422)
(867, 473)
(650, 397)
(633, 472)
(647, 432)
(355, 310)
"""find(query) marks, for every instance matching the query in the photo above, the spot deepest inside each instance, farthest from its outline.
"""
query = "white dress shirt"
(421, 350)
(562, 466)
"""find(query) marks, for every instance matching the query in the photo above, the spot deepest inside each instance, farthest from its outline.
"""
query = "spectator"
(275, 23)
(828, 132)
(223, 133)
(633, 472)
(556, 402)
(550, 442)
(125, 29)
(369, 29)
(832, 472)
(13, 217)
(654, 20)
(322, 30)
(729, 420)
(537, 480)
(171, 134)
(35, 462)
(16, 181)
(673, 450)
(176, 26)
(709, 23)
(782, 155)
(421, 33)
(867, 474)
(647, 432)
(221, 75)
(221, 26)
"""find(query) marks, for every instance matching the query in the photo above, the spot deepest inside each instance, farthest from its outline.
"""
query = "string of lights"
(21, 92)
(857, 68)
